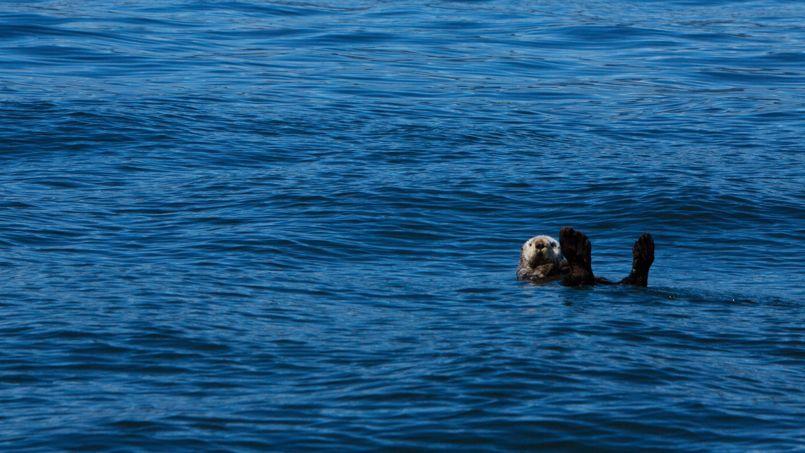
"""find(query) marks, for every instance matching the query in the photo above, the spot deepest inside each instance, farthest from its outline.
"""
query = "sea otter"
(540, 260)
(574, 262)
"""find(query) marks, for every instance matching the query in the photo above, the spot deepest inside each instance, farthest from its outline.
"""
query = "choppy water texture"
(242, 224)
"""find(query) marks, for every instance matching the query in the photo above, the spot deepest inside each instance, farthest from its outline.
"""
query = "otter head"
(540, 250)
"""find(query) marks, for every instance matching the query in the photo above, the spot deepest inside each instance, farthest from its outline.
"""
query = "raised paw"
(577, 250)
(642, 258)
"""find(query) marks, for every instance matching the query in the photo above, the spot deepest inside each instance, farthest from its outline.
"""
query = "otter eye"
(553, 244)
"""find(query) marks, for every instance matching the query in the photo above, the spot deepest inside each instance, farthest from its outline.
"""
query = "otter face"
(540, 250)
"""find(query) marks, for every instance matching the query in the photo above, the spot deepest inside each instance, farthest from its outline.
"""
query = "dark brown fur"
(577, 251)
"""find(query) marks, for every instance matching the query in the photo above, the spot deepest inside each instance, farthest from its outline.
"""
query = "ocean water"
(236, 225)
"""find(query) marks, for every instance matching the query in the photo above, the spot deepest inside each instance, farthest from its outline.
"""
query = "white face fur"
(541, 250)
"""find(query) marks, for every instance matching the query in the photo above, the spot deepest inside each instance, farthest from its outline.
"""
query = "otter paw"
(642, 258)
(577, 251)
(643, 252)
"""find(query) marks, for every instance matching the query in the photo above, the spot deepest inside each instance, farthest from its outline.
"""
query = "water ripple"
(294, 225)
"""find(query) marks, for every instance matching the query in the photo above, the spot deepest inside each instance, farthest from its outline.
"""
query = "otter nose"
(539, 246)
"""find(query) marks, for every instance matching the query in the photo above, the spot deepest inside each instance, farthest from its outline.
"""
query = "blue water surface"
(294, 224)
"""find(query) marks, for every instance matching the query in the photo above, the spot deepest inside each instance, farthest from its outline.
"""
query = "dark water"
(242, 224)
